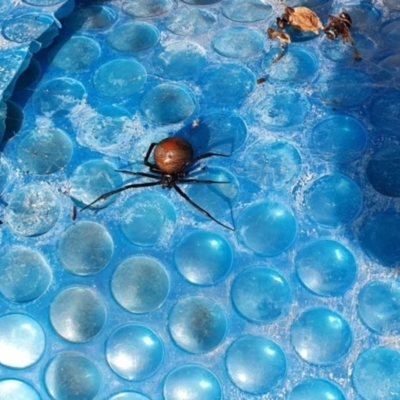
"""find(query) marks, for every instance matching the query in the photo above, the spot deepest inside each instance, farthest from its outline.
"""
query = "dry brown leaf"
(283, 37)
(284, 40)
(304, 19)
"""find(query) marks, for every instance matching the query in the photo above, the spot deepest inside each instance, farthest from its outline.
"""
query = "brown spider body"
(173, 162)
(172, 155)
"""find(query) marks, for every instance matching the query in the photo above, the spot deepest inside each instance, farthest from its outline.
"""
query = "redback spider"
(173, 158)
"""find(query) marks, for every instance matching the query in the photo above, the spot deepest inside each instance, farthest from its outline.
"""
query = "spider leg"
(191, 180)
(146, 161)
(202, 210)
(206, 155)
(126, 187)
(123, 171)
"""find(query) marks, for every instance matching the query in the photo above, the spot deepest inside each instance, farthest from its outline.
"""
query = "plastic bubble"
(33, 210)
(17, 390)
(246, 10)
(255, 364)
(72, 377)
(197, 324)
(146, 8)
(134, 352)
(192, 382)
(333, 200)
(190, 21)
(22, 341)
(261, 294)
(76, 53)
(268, 219)
(120, 78)
(203, 258)
(140, 284)
(314, 388)
(320, 336)
(382, 171)
(378, 306)
(379, 237)
(24, 275)
(375, 373)
(168, 104)
(326, 267)
(133, 37)
(77, 314)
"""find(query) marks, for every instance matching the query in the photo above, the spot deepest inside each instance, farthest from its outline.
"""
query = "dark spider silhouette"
(173, 158)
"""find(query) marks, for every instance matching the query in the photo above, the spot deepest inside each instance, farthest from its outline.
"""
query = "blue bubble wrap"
(287, 289)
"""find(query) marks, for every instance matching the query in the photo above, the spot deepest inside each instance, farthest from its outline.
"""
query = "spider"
(340, 26)
(173, 158)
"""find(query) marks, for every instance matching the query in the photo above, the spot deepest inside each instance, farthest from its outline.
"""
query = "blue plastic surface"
(143, 297)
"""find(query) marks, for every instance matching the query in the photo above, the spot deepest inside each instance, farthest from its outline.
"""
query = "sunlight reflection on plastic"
(17, 390)
(129, 396)
(134, 352)
(22, 341)
(192, 382)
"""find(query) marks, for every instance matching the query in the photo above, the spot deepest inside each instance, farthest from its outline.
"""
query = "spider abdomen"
(172, 155)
